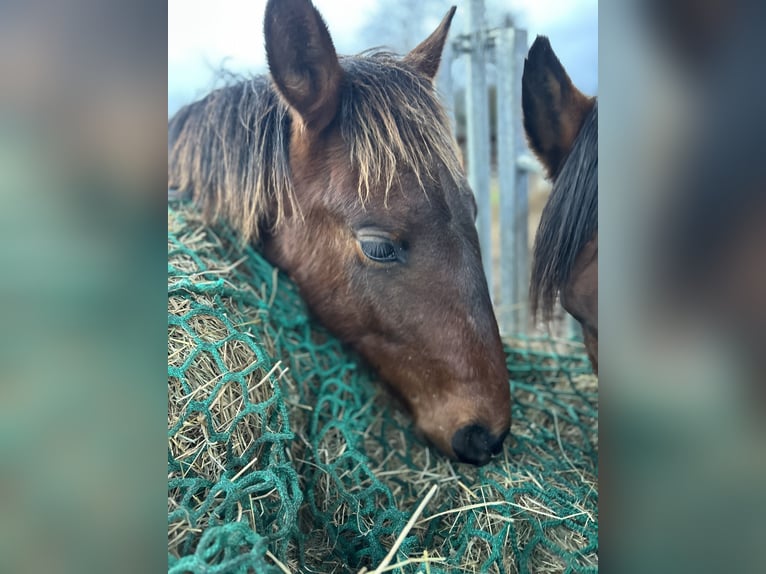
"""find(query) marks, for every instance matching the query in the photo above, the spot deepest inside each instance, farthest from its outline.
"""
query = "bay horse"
(345, 173)
(561, 124)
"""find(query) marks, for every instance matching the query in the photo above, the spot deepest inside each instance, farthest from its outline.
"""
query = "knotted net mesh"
(286, 455)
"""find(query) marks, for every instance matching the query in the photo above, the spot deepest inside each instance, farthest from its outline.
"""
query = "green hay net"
(285, 454)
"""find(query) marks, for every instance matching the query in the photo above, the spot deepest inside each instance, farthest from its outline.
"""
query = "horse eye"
(379, 250)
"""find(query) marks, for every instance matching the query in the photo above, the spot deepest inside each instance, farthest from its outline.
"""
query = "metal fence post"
(514, 201)
(477, 129)
(521, 196)
(509, 298)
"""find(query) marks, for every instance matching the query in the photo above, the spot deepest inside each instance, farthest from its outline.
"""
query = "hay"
(273, 424)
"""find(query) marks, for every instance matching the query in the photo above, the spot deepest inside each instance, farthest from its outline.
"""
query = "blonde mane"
(230, 150)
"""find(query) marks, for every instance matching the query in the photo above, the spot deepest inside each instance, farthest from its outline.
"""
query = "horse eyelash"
(380, 249)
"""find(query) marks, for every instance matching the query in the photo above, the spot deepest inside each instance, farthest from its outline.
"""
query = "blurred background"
(87, 90)
(83, 339)
(682, 291)
(202, 39)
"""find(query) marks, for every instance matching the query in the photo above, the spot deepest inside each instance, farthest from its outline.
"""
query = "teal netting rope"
(281, 440)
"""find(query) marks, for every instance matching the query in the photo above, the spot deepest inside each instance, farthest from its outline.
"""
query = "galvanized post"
(514, 207)
(509, 297)
(521, 201)
(477, 129)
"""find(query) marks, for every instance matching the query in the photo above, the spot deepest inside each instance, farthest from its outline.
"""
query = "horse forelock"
(392, 121)
(231, 150)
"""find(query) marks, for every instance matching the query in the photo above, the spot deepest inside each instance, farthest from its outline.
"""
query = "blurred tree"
(400, 25)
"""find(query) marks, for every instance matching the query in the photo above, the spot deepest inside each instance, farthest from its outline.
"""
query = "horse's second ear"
(428, 55)
(554, 109)
(302, 61)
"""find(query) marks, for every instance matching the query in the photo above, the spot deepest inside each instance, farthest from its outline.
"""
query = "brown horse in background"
(562, 129)
(345, 172)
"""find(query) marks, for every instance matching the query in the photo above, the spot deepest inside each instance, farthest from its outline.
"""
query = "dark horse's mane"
(569, 219)
(230, 150)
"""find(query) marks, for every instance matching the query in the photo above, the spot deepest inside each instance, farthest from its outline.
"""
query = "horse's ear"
(427, 56)
(302, 61)
(554, 109)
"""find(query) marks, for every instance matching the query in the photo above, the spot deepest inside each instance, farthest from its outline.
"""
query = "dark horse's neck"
(569, 220)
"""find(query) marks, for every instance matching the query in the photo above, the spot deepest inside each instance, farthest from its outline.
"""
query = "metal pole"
(521, 198)
(477, 129)
(507, 99)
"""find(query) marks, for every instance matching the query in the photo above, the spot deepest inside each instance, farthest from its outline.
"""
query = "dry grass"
(465, 499)
(505, 500)
(201, 455)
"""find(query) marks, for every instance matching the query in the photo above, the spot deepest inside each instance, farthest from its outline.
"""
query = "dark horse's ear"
(427, 56)
(554, 109)
(302, 61)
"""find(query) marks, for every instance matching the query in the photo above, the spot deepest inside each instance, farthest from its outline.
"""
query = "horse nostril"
(475, 445)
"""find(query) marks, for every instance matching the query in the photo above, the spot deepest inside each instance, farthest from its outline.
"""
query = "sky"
(204, 35)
